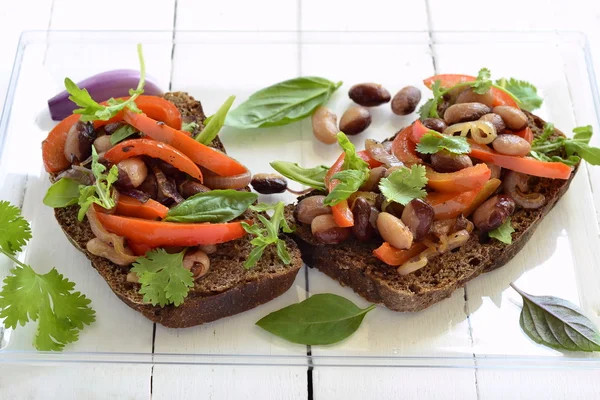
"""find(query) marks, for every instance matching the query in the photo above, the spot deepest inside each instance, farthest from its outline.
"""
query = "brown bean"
(324, 124)
(132, 172)
(269, 183)
(444, 161)
(197, 262)
(437, 124)
(369, 94)
(511, 145)
(372, 183)
(325, 230)
(469, 96)
(493, 212)
(495, 120)
(102, 144)
(495, 169)
(373, 218)
(355, 120)
(189, 187)
(362, 228)
(418, 217)
(393, 231)
(514, 118)
(406, 100)
(465, 112)
(311, 207)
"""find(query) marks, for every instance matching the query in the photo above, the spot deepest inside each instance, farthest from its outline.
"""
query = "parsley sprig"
(27, 296)
(481, 85)
(575, 148)
(267, 233)
(91, 110)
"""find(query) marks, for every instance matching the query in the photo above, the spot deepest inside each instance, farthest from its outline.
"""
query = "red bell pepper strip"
(460, 181)
(373, 163)
(341, 211)
(418, 131)
(394, 257)
(202, 155)
(53, 148)
(526, 134)
(450, 205)
(139, 249)
(159, 233)
(526, 165)
(154, 107)
(486, 191)
(152, 148)
(131, 207)
(403, 148)
(448, 80)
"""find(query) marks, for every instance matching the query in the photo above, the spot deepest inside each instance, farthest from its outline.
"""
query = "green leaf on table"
(14, 229)
(313, 177)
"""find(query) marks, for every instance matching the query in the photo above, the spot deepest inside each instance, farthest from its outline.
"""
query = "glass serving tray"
(476, 327)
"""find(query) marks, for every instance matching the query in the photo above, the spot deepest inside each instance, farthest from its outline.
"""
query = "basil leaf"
(214, 125)
(213, 206)
(122, 133)
(321, 319)
(63, 193)
(557, 323)
(283, 103)
(350, 181)
(312, 177)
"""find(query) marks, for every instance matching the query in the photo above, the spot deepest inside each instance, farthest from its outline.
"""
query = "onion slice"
(516, 185)
(115, 241)
(215, 181)
(482, 132)
(378, 152)
(102, 87)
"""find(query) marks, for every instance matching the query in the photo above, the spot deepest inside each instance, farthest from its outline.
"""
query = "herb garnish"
(504, 232)
(526, 93)
(405, 184)
(576, 148)
(122, 133)
(433, 141)
(27, 296)
(268, 233)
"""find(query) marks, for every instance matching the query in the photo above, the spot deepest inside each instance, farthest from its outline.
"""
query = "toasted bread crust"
(353, 264)
(226, 290)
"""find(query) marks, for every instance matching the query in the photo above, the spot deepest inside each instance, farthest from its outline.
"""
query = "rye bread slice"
(352, 263)
(226, 290)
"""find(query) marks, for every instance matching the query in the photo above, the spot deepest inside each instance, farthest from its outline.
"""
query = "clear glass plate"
(476, 327)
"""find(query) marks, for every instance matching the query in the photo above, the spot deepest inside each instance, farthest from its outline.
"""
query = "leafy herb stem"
(13, 258)
(548, 147)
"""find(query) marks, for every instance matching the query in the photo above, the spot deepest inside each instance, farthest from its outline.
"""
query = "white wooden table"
(168, 382)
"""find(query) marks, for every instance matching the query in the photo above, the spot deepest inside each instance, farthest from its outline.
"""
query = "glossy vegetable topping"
(313, 177)
(326, 230)
(394, 257)
(465, 112)
(403, 148)
(450, 205)
(418, 217)
(493, 212)
(154, 149)
(393, 231)
(464, 180)
(53, 148)
(511, 145)
(213, 206)
(200, 154)
(311, 207)
(488, 189)
(514, 118)
(445, 161)
(216, 122)
(101, 87)
(150, 209)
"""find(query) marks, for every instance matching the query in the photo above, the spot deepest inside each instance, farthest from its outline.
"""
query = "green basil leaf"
(122, 133)
(312, 177)
(319, 320)
(213, 206)
(63, 193)
(214, 125)
(283, 103)
(350, 181)
(557, 323)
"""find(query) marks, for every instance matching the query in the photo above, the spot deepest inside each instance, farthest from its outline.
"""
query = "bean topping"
(493, 212)
(511, 145)
(325, 230)
(514, 118)
(393, 231)
(311, 207)
(469, 96)
(444, 161)
(362, 228)
(465, 112)
(437, 124)
(418, 217)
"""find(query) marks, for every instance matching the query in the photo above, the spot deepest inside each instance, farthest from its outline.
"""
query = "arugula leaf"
(350, 181)
(163, 278)
(101, 192)
(405, 184)
(216, 122)
(190, 126)
(432, 142)
(268, 233)
(575, 148)
(29, 296)
(313, 177)
(122, 133)
(524, 91)
(483, 83)
(91, 110)
(214, 206)
(14, 229)
(503, 232)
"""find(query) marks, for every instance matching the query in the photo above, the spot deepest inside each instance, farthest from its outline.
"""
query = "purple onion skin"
(102, 87)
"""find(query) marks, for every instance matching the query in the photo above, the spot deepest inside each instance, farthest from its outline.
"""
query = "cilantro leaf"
(92, 111)
(350, 181)
(351, 158)
(189, 126)
(268, 233)
(50, 300)
(163, 278)
(432, 142)
(429, 108)
(122, 133)
(524, 91)
(503, 232)
(483, 83)
(14, 229)
(405, 184)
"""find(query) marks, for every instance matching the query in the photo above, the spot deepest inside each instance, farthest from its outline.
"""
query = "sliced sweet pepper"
(131, 207)
(526, 134)
(394, 257)
(450, 205)
(463, 180)
(403, 148)
(485, 192)
(205, 156)
(159, 233)
(341, 211)
(526, 165)
(152, 148)
(418, 131)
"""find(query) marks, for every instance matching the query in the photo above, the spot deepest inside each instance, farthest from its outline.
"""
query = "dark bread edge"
(195, 310)
(376, 290)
